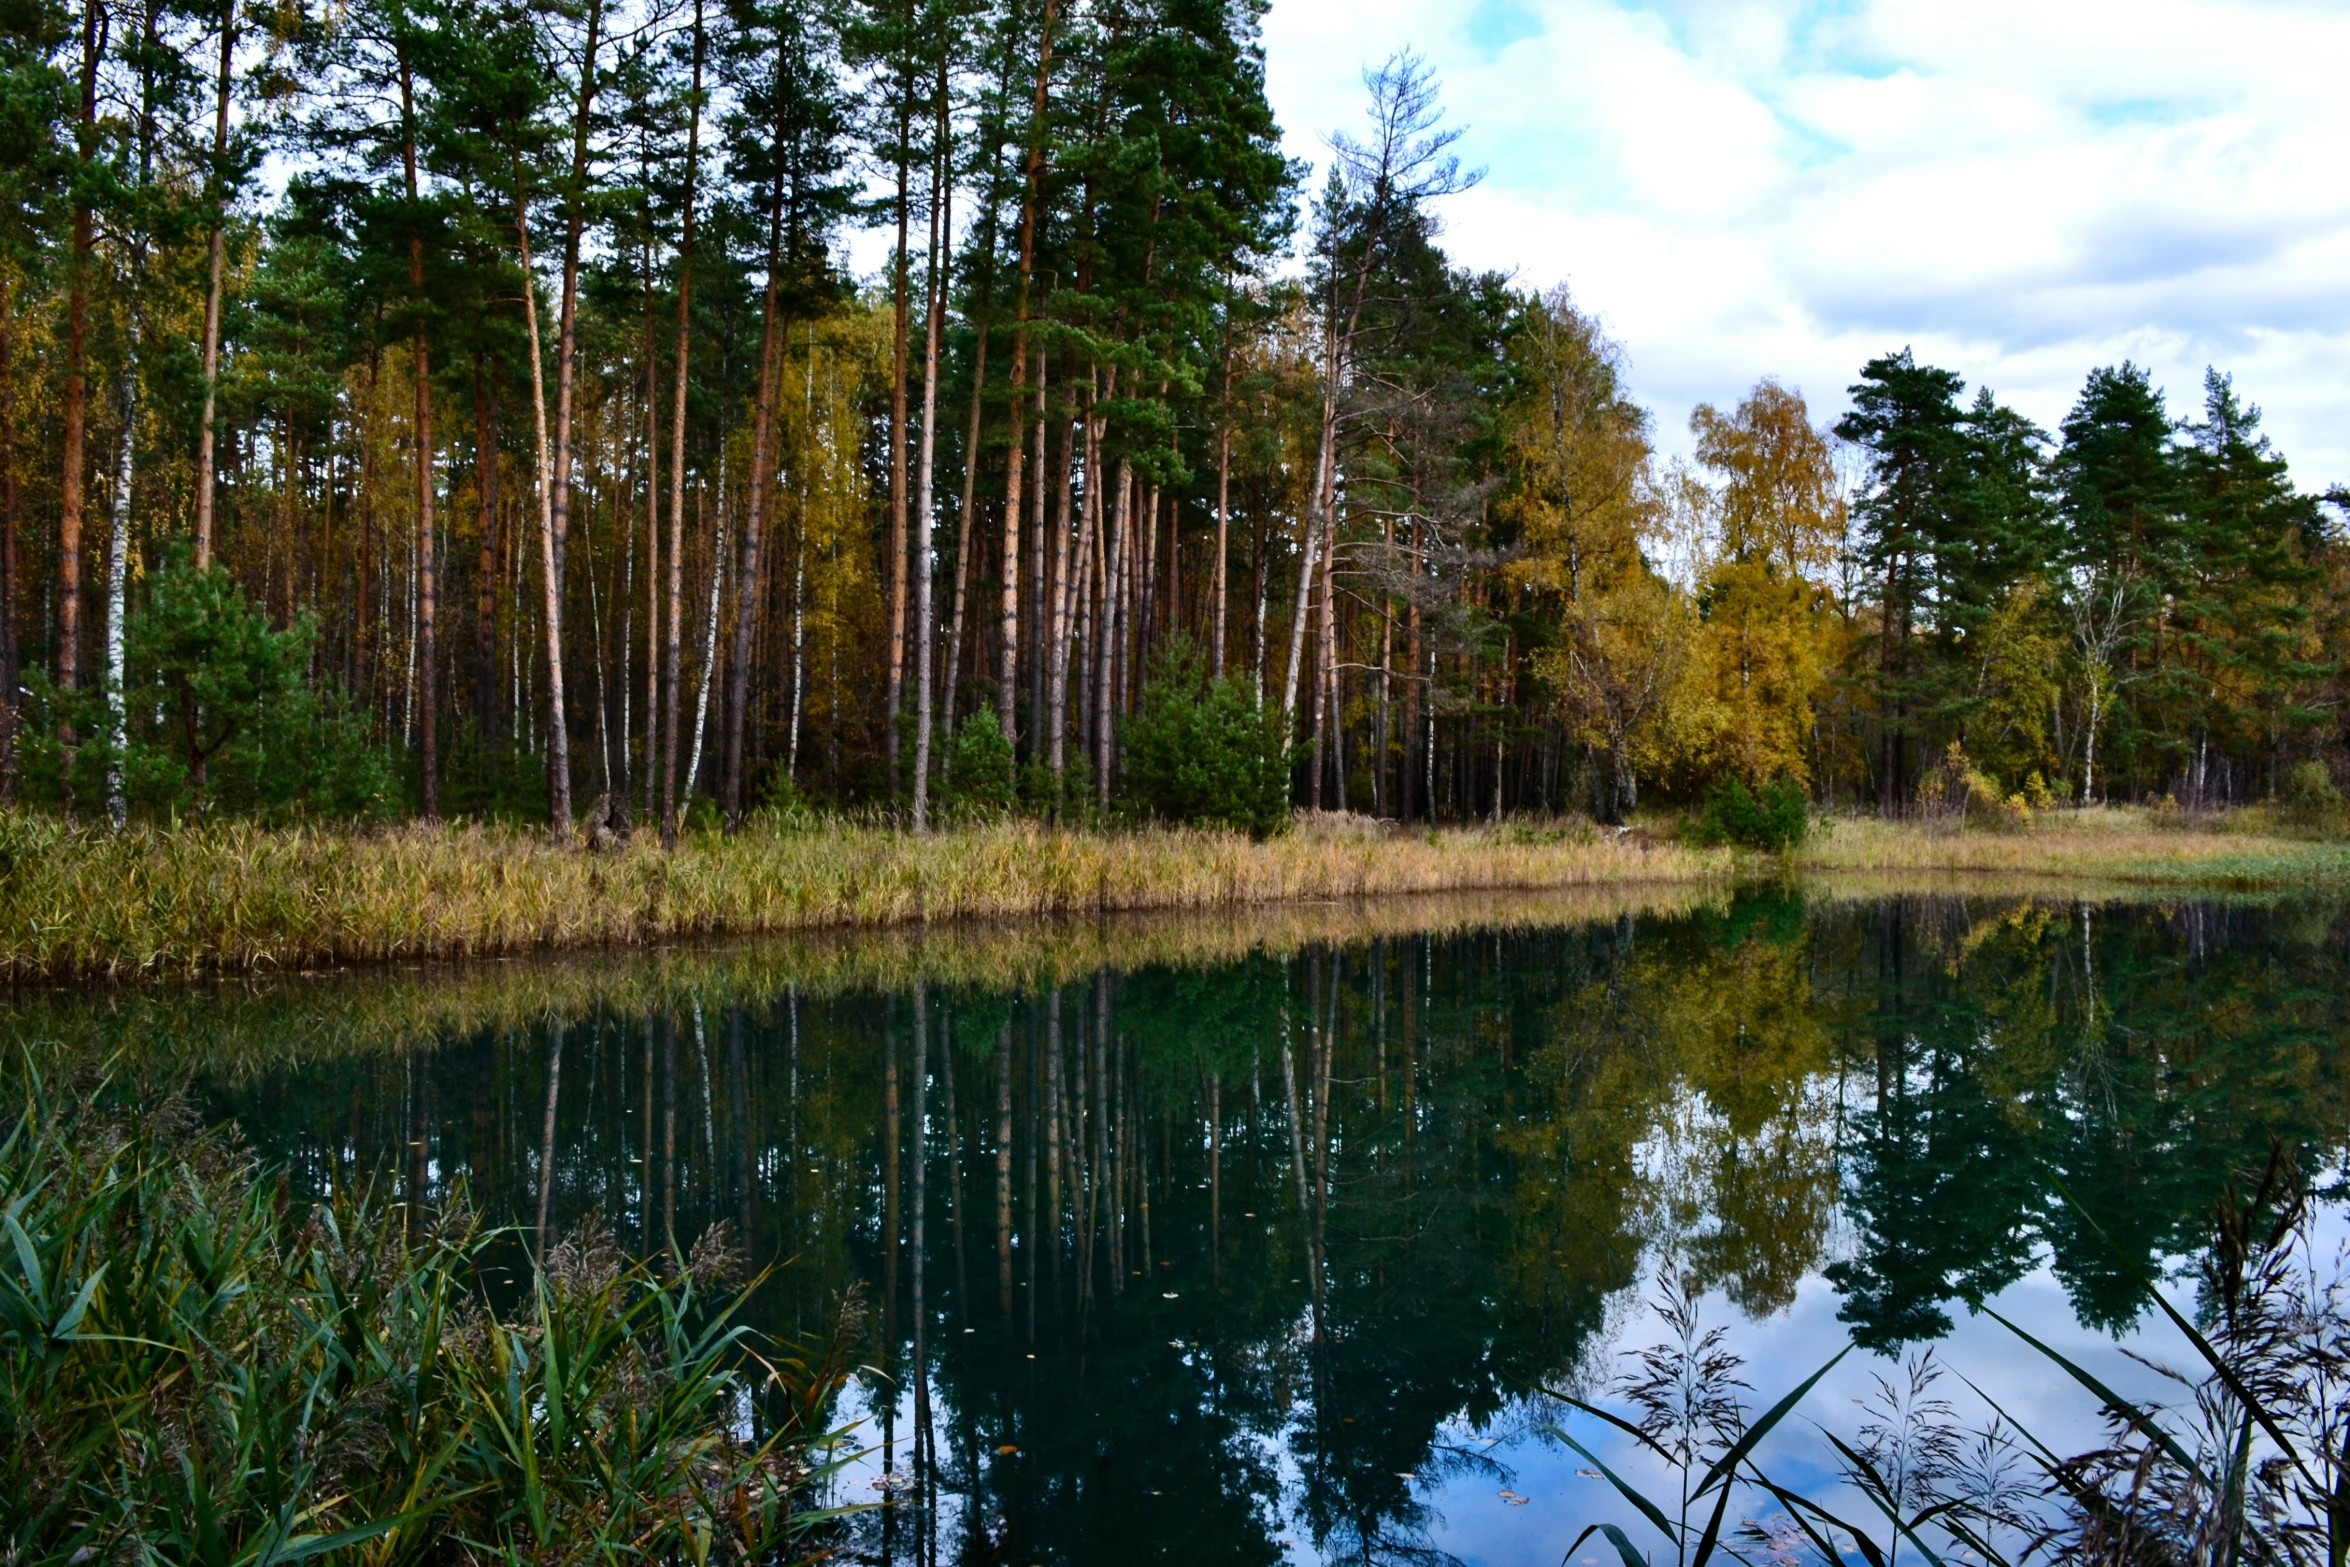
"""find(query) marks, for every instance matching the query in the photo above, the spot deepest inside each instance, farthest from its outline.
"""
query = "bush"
(1775, 821)
(2306, 797)
(1954, 789)
(1203, 751)
(222, 716)
(979, 771)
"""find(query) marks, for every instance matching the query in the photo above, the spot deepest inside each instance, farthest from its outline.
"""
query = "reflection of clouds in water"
(1750, 1212)
(1780, 1350)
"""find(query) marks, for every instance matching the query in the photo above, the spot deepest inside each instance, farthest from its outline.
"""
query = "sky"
(2018, 190)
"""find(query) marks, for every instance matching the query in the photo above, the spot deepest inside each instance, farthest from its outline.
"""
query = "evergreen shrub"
(1203, 752)
(1776, 820)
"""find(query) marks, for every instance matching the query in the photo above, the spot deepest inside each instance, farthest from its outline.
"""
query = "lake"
(1262, 1239)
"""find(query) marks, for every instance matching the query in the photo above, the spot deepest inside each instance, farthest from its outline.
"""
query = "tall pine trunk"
(558, 503)
(77, 382)
(748, 582)
(672, 685)
(1219, 589)
(693, 764)
(934, 320)
(485, 600)
(966, 531)
(10, 675)
(420, 365)
(1008, 669)
(218, 244)
(118, 552)
(550, 561)
(1070, 574)
(652, 746)
(1110, 632)
(900, 307)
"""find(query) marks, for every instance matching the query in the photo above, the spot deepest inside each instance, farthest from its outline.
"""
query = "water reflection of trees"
(1182, 1261)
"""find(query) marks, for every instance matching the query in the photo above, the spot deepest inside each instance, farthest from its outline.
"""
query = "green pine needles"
(1775, 820)
(1204, 752)
(221, 715)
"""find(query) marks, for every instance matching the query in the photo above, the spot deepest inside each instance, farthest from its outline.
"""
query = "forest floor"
(152, 903)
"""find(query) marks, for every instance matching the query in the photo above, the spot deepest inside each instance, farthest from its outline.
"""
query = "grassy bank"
(2088, 849)
(241, 900)
(235, 899)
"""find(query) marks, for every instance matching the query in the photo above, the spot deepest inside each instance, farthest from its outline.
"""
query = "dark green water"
(1326, 1220)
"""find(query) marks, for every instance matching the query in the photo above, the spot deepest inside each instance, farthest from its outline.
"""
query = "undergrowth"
(196, 1369)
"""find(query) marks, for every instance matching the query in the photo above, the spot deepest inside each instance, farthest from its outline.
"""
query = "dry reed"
(235, 899)
(228, 900)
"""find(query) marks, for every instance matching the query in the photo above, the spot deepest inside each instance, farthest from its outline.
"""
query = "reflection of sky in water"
(1762, 1089)
(1563, 1495)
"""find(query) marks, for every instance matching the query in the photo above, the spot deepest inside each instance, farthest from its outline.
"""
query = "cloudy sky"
(2018, 189)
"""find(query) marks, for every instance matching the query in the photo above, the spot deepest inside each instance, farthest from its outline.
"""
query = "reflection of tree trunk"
(1297, 1147)
(702, 1060)
(644, 1198)
(793, 1156)
(916, 1247)
(890, 1133)
(1056, 1143)
(946, 1071)
(1410, 1043)
(419, 1144)
(1109, 1103)
(1326, 1046)
(1138, 1139)
(1084, 1174)
(547, 1128)
(739, 1112)
(669, 1139)
(1216, 1160)
(1003, 1172)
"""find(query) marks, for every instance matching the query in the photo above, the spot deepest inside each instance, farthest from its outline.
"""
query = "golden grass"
(2090, 849)
(233, 899)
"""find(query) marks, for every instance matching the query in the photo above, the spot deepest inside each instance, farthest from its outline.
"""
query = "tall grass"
(239, 899)
(193, 1369)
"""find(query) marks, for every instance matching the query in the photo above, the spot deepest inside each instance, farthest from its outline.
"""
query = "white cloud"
(2020, 189)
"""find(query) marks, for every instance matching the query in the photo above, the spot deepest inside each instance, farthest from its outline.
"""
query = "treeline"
(458, 406)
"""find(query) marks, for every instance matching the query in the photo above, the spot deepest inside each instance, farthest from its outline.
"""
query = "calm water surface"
(1266, 1257)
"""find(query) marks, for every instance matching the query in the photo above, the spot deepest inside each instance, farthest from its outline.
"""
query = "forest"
(469, 409)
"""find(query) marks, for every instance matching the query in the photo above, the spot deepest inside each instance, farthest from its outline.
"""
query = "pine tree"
(1905, 417)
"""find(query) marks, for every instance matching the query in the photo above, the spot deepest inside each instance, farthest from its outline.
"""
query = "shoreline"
(238, 901)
